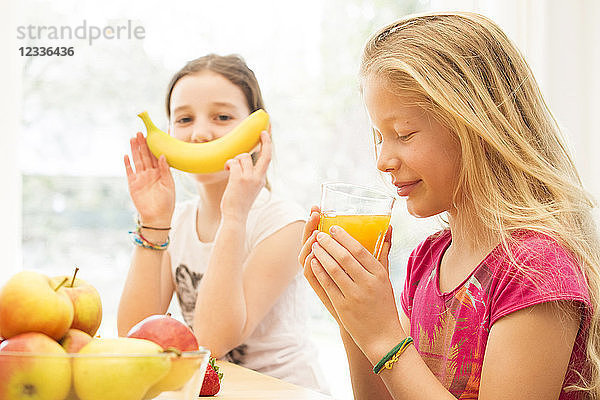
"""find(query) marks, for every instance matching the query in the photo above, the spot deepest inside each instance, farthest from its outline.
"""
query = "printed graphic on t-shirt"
(451, 329)
(464, 312)
(237, 355)
(187, 285)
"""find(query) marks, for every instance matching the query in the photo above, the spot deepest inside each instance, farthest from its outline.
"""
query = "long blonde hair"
(516, 171)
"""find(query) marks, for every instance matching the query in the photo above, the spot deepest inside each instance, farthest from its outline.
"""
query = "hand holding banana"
(203, 158)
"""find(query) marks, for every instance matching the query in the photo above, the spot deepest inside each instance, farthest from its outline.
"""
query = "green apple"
(74, 340)
(121, 368)
(41, 377)
(87, 305)
(32, 302)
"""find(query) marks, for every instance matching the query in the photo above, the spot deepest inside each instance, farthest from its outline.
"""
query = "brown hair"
(233, 67)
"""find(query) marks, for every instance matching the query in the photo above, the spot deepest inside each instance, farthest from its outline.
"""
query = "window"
(79, 112)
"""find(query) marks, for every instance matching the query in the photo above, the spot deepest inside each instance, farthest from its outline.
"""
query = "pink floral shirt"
(451, 329)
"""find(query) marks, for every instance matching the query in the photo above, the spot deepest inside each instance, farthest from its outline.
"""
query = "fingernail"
(333, 229)
(321, 236)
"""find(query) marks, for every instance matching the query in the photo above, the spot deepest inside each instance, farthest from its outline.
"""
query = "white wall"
(561, 42)
(10, 178)
(571, 79)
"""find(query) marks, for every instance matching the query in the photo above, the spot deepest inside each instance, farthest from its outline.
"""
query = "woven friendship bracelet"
(139, 240)
(390, 358)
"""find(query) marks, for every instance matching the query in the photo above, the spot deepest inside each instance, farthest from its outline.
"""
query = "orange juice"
(368, 230)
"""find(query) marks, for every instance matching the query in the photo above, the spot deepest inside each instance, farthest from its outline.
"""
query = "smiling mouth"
(405, 189)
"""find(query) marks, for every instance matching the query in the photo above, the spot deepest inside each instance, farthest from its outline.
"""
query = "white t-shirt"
(279, 345)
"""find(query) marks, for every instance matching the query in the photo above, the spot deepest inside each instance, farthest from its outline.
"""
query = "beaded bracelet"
(390, 358)
(138, 239)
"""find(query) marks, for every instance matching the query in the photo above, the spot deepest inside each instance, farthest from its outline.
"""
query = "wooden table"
(241, 383)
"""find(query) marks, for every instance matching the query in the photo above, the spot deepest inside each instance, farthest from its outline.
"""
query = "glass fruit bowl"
(102, 376)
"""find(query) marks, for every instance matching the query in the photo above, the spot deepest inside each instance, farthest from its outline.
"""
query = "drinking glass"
(363, 212)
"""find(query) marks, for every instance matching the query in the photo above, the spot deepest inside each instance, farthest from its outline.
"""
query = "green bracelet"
(390, 358)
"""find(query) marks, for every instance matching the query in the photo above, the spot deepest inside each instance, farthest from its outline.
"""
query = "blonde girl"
(503, 303)
(231, 256)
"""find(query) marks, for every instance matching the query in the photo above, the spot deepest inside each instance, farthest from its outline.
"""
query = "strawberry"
(212, 379)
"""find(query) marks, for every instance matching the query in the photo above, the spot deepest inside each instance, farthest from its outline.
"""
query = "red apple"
(87, 304)
(32, 302)
(165, 331)
(168, 333)
(27, 376)
(74, 340)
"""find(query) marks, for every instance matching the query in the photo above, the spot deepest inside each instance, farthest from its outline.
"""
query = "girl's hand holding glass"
(306, 256)
(357, 285)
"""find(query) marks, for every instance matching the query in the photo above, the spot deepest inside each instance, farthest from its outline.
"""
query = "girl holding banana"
(230, 254)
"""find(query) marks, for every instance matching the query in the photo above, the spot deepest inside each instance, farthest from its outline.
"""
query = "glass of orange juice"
(361, 211)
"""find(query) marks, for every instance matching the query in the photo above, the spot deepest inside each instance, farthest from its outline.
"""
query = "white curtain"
(10, 177)
(561, 41)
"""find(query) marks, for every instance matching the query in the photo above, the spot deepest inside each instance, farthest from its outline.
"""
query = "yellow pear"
(121, 368)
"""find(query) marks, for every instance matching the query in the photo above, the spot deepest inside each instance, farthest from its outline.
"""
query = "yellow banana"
(207, 157)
